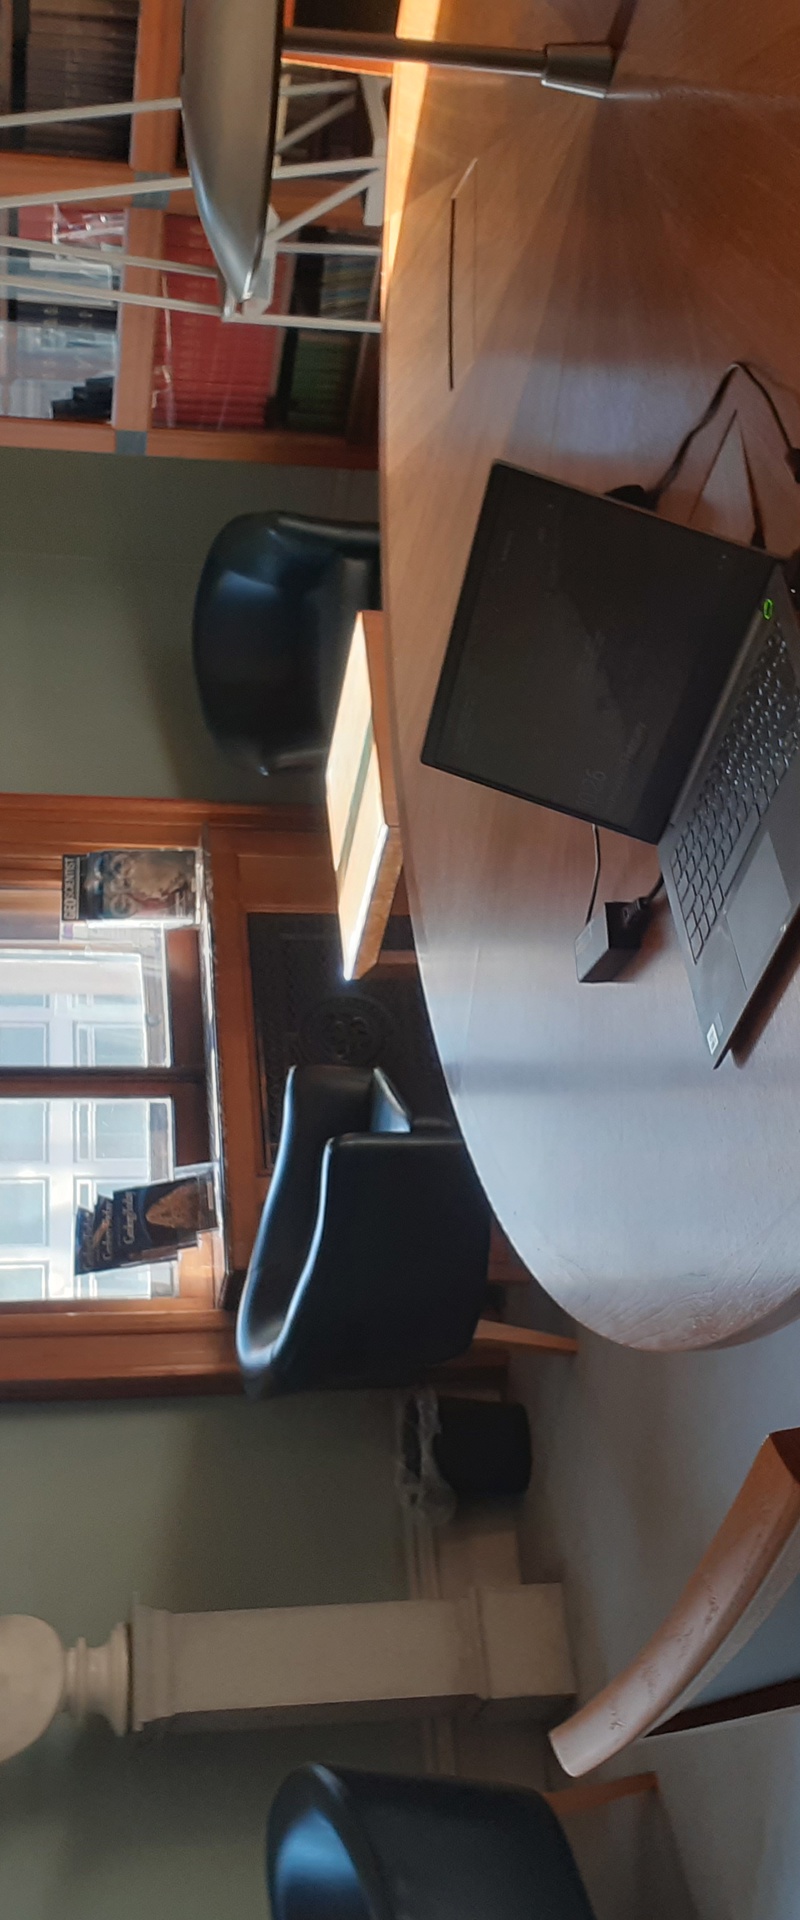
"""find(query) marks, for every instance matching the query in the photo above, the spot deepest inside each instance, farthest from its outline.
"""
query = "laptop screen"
(589, 648)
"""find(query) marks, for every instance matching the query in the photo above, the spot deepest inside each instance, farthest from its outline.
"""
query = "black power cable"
(643, 900)
(596, 879)
(650, 498)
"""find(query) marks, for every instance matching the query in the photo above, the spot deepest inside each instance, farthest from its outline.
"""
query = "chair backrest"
(388, 1114)
(418, 1847)
(750, 1563)
(273, 616)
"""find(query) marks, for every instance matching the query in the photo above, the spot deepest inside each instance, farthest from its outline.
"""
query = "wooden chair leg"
(495, 1333)
(597, 1793)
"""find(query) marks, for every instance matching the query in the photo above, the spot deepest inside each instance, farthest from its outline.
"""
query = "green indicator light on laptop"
(768, 609)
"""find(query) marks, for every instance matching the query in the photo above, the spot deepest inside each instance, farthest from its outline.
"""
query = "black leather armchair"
(368, 1846)
(370, 1263)
(274, 612)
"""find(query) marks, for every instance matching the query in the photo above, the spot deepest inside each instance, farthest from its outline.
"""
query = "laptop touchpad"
(756, 914)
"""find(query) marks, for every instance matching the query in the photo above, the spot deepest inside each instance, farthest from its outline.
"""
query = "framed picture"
(154, 884)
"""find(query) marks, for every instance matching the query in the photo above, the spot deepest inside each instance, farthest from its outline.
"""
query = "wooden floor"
(567, 279)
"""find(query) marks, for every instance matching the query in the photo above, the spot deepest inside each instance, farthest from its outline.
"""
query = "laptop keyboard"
(756, 749)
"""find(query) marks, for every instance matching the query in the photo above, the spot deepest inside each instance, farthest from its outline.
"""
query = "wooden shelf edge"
(272, 447)
(61, 436)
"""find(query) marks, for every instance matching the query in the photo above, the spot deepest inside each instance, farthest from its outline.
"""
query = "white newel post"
(498, 1651)
(40, 1678)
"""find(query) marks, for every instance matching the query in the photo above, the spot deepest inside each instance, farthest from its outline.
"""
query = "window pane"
(131, 1283)
(23, 1213)
(23, 1130)
(41, 1212)
(160, 1281)
(23, 1046)
(120, 1130)
(104, 1000)
(128, 980)
(119, 1047)
(23, 1283)
(107, 975)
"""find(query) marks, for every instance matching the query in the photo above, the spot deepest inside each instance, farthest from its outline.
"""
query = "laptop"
(645, 677)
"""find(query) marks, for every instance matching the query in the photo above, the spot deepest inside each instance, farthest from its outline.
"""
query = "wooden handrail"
(751, 1562)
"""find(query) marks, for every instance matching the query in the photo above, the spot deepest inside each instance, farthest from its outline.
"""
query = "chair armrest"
(751, 1562)
(318, 1103)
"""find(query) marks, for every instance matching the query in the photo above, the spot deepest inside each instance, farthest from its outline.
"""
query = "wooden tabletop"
(361, 800)
(565, 281)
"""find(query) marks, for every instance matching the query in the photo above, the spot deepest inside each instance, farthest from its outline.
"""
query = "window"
(111, 1046)
(90, 1017)
(23, 1046)
(27, 1282)
(95, 1000)
(120, 1046)
(121, 1130)
(23, 1213)
(158, 1282)
(136, 1135)
(23, 1131)
(87, 1147)
(145, 1329)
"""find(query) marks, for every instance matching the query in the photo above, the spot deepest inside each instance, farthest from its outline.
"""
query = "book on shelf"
(206, 373)
(73, 53)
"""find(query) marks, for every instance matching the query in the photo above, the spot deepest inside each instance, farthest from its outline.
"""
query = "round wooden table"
(566, 280)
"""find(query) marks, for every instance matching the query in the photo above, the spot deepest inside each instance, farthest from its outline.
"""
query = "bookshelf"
(137, 423)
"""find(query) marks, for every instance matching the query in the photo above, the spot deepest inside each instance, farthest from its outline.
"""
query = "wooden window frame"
(88, 1350)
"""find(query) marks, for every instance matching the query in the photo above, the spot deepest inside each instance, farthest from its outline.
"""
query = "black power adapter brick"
(606, 943)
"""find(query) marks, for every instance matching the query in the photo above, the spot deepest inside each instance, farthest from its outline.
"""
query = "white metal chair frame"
(370, 172)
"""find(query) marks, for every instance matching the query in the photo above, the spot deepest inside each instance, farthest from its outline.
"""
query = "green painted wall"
(189, 1505)
(99, 562)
